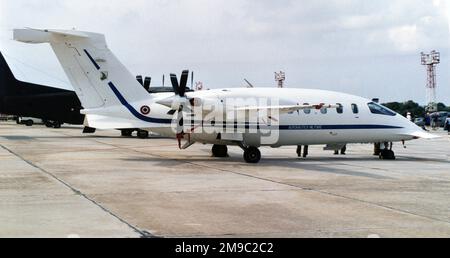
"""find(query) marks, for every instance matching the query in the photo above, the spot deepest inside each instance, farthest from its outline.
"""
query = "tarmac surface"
(60, 183)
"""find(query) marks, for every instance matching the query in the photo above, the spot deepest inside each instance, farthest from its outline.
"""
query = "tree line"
(413, 107)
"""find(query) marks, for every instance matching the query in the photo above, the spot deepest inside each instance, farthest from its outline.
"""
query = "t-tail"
(107, 90)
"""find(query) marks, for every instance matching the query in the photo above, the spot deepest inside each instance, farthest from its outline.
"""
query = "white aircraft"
(249, 118)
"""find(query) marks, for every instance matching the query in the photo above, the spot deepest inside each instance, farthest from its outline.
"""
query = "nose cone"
(412, 131)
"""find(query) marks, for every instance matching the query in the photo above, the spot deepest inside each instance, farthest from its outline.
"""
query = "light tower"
(431, 61)
(280, 78)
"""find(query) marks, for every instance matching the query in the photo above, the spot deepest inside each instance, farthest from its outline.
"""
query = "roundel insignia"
(145, 110)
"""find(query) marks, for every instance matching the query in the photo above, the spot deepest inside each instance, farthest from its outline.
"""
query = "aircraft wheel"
(142, 134)
(29, 123)
(252, 155)
(56, 125)
(220, 151)
(387, 155)
(126, 133)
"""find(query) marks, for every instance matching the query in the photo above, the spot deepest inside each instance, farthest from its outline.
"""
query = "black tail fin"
(7, 79)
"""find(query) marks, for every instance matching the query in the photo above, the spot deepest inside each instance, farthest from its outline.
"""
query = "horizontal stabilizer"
(104, 122)
(36, 36)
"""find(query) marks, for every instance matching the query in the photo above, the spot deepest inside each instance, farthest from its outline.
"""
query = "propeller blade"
(175, 85)
(180, 124)
(192, 80)
(139, 79)
(183, 82)
(147, 82)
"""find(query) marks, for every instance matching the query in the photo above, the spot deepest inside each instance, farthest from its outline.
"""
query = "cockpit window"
(380, 110)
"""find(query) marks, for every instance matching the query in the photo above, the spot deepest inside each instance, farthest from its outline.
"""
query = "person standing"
(434, 121)
(305, 151)
(447, 124)
(427, 120)
(409, 116)
(343, 150)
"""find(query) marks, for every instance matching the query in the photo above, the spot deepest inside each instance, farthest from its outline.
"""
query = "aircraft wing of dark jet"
(25, 99)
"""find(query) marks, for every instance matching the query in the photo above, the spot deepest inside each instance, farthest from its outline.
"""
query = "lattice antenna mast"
(431, 61)
(280, 78)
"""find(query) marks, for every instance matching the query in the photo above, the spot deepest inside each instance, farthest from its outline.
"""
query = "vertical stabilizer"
(95, 73)
(7, 79)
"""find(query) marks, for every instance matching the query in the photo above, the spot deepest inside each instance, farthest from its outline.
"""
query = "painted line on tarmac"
(143, 234)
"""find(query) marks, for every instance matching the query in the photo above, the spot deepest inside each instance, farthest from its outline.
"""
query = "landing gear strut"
(220, 151)
(377, 149)
(387, 153)
(252, 155)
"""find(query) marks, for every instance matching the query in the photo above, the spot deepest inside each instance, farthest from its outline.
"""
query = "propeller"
(180, 92)
(147, 82)
(139, 79)
(180, 89)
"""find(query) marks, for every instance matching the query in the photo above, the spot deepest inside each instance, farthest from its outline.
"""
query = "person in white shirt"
(409, 116)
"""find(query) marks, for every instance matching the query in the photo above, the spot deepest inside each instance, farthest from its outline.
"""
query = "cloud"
(320, 42)
(405, 38)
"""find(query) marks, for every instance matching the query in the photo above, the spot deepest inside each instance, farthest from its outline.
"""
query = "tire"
(56, 125)
(29, 123)
(252, 155)
(220, 151)
(126, 133)
(387, 155)
(142, 134)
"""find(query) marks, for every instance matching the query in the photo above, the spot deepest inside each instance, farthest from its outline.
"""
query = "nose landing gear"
(387, 153)
(220, 151)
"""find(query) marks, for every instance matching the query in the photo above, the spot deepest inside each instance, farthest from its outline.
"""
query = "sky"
(362, 47)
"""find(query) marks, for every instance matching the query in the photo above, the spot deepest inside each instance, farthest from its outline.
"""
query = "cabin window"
(355, 109)
(307, 110)
(340, 108)
(380, 110)
(324, 111)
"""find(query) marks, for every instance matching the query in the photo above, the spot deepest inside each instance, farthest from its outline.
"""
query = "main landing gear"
(141, 134)
(126, 132)
(252, 155)
(220, 151)
(387, 153)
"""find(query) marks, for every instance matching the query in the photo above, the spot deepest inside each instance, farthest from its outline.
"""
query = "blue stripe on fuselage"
(336, 127)
(134, 111)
